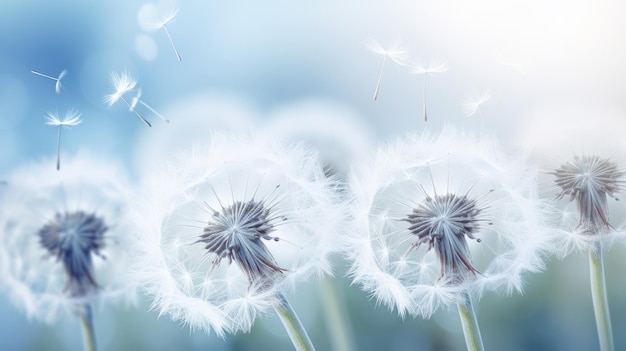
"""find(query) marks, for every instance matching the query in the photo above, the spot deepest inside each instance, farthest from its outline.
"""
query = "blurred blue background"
(553, 69)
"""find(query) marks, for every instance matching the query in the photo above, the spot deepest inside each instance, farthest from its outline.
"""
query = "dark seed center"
(72, 237)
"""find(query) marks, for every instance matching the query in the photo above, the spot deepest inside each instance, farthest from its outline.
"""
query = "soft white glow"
(146, 47)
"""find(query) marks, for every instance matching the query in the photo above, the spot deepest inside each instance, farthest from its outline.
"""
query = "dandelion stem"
(340, 336)
(292, 324)
(154, 111)
(380, 76)
(44, 75)
(172, 43)
(59, 148)
(600, 301)
(86, 322)
(137, 113)
(473, 340)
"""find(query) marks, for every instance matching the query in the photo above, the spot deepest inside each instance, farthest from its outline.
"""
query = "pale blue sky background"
(555, 66)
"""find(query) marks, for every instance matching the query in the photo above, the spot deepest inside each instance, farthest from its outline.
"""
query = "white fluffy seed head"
(334, 130)
(588, 183)
(590, 180)
(226, 226)
(474, 206)
(64, 240)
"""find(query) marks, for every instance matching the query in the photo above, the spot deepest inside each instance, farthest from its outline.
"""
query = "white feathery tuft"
(261, 196)
(504, 230)
(34, 277)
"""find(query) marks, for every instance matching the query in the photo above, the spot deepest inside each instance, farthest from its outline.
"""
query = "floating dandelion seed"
(58, 229)
(243, 220)
(590, 181)
(396, 53)
(435, 66)
(137, 99)
(163, 22)
(473, 105)
(122, 84)
(71, 118)
(474, 208)
(57, 85)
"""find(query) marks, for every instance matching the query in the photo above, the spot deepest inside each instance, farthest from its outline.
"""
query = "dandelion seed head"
(57, 232)
(444, 222)
(121, 83)
(470, 203)
(235, 232)
(72, 238)
(253, 217)
(590, 180)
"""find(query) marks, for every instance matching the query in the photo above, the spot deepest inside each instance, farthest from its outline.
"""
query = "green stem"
(600, 301)
(340, 336)
(292, 324)
(473, 340)
(86, 322)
